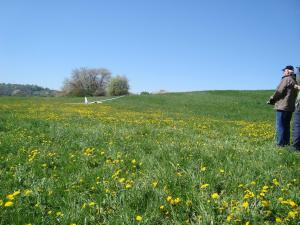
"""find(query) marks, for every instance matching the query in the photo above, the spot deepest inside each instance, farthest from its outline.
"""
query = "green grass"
(146, 156)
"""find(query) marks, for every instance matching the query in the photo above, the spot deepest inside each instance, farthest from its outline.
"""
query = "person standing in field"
(296, 127)
(284, 100)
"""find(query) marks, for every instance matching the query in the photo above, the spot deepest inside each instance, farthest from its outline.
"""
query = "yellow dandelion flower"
(292, 214)
(278, 220)
(92, 204)
(249, 194)
(154, 184)
(10, 197)
(8, 204)
(27, 192)
(204, 186)
(247, 223)
(292, 203)
(16, 193)
(229, 217)
(177, 200)
(138, 218)
(275, 182)
(161, 207)
(169, 198)
(59, 214)
(215, 196)
(265, 203)
(245, 205)
(121, 180)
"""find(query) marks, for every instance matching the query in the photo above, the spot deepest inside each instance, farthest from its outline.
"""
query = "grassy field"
(182, 158)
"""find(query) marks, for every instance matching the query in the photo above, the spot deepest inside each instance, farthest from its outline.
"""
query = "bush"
(144, 93)
(118, 86)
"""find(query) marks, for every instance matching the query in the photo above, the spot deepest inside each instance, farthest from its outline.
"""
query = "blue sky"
(173, 45)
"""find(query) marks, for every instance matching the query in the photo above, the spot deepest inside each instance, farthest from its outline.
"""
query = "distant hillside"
(25, 90)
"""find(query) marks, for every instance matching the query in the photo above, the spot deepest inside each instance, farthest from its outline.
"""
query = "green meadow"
(178, 158)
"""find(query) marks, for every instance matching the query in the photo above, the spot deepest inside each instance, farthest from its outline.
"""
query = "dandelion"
(59, 214)
(121, 180)
(154, 184)
(229, 217)
(8, 204)
(204, 186)
(292, 214)
(265, 203)
(138, 218)
(245, 205)
(10, 197)
(177, 200)
(215, 196)
(292, 203)
(169, 198)
(16, 193)
(161, 207)
(249, 194)
(278, 220)
(92, 204)
(275, 182)
(202, 168)
(27, 192)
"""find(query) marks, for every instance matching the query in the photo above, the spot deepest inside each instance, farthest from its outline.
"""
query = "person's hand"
(271, 101)
(297, 87)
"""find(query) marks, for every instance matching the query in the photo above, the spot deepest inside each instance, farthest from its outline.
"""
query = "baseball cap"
(289, 67)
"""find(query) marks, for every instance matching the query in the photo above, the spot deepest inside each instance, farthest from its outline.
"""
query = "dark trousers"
(296, 129)
(283, 120)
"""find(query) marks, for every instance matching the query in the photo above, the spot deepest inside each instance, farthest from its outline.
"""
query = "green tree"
(118, 86)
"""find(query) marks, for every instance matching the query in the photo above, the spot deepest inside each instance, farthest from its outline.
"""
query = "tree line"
(83, 82)
(24, 90)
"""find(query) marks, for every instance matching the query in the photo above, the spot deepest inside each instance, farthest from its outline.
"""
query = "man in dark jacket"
(296, 127)
(284, 99)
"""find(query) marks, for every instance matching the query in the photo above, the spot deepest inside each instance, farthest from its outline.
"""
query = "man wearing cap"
(284, 100)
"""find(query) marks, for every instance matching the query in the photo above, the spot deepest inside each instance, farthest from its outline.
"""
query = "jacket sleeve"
(280, 91)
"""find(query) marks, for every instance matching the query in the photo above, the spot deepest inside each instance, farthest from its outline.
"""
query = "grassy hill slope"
(195, 158)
